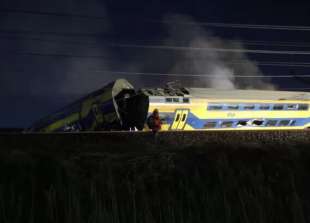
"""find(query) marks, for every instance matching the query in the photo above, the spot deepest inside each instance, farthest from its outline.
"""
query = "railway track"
(129, 140)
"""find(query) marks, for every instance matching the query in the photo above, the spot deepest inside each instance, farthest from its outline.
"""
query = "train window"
(293, 122)
(185, 100)
(278, 107)
(257, 122)
(242, 123)
(264, 107)
(176, 100)
(168, 99)
(227, 124)
(303, 107)
(215, 107)
(292, 107)
(232, 107)
(271, 123)
(284, 122)
(209, 125)
(248, 107)
(177, 118)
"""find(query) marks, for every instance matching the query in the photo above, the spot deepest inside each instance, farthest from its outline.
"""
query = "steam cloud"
(219, 67)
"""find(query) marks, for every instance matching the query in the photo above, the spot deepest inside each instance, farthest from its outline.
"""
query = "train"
(118, 106)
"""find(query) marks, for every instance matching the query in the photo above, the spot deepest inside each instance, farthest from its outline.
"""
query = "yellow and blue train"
(118, 106)
(211, 109)
(112, 107)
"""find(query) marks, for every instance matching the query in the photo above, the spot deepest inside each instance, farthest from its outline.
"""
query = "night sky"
(55, 51)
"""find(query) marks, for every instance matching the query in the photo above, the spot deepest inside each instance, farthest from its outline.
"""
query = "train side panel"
(206, 114)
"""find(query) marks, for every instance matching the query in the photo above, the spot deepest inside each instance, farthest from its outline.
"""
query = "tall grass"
(196, 184)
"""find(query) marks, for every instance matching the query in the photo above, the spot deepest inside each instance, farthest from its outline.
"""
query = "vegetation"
(154, 181)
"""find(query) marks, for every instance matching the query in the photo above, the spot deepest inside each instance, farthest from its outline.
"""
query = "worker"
(154, 121)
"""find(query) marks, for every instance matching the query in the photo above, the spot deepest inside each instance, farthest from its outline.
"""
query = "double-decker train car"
(118, 106)
(109, 108)
(213, 109)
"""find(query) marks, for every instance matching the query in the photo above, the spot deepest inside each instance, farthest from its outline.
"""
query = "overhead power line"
(54, 33)
(57, 14)
(25, 53)
(211, 49)
(273, 43)
(186, 75)
(107, 58)
(241, 26)
(12, 35)
(171, 47)
(208, 24)
(17, 33)
(95, 44)
(216, 49)
(275, 64)
(200, 75)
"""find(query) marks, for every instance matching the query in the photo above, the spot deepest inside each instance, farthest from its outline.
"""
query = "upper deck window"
(292, 106)
(232, 107)
(186, 100)
(249, 107)
(264, 107)
(303, 107)
(278, 107)
(176, 100)
(215, 107)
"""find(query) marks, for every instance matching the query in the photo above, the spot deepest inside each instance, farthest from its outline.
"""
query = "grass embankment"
(108, 182)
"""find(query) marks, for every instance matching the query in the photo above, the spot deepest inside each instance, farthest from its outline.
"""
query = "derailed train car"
(118, 106)
(112, 107)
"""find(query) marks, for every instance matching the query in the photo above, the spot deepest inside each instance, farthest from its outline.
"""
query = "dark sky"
(55, 51)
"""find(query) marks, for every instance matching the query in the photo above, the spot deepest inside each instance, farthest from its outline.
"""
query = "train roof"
(212, 93)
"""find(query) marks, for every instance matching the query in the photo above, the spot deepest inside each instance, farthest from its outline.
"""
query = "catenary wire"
(209, 24)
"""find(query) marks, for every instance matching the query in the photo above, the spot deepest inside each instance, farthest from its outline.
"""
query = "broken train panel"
(104, 109)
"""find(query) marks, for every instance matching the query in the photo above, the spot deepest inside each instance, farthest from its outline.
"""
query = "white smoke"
(195, 57)
(218, 66)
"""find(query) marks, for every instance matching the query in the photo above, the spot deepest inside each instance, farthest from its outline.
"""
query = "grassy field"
(219, 177)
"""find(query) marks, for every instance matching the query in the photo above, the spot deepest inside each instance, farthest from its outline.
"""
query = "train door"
(180, 117)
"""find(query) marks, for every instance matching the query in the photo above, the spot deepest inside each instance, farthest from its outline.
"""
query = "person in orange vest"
(154, 121)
